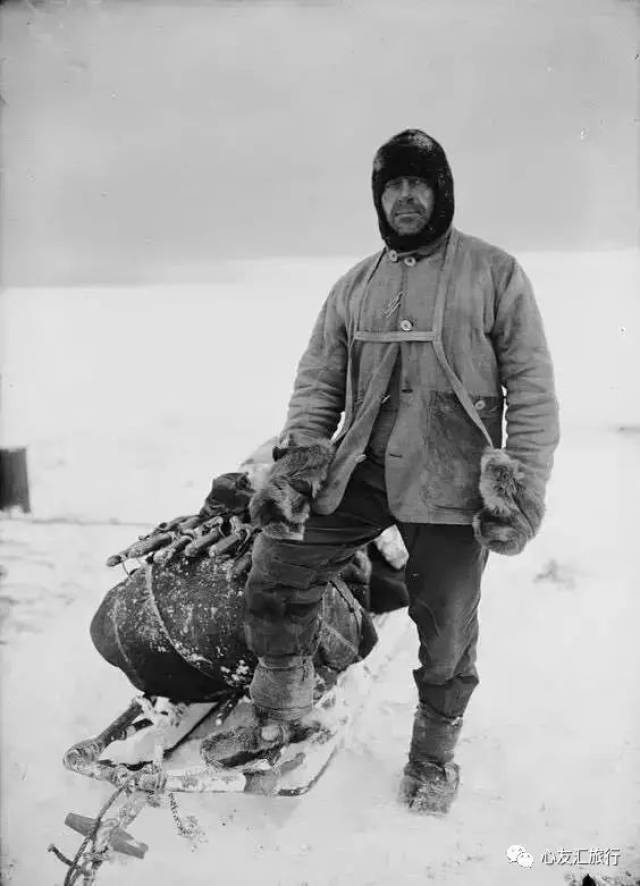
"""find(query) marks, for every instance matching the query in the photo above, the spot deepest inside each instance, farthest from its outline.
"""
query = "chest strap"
(435, 337)
(394, 336)
(438, 317)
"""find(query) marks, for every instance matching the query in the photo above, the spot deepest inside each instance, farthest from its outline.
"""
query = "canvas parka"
(461, 316)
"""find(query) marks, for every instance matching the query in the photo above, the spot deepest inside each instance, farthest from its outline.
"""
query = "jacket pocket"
(455, 447)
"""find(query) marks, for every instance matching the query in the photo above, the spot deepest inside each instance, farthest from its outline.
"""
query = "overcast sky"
(143, 142)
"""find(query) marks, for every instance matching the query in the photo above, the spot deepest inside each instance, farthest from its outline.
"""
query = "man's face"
(408, 203)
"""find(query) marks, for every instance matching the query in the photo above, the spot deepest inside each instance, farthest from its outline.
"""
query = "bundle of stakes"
(192, 536)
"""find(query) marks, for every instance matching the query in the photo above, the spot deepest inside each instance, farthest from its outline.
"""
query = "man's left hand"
(512, 511)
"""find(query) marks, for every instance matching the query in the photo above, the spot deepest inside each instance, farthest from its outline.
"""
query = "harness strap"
(435, 337)
(394, 336)
(458, 388)
(461, 392)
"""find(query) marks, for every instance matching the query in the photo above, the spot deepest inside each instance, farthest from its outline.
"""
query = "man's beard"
(416, 227)
(437, 220)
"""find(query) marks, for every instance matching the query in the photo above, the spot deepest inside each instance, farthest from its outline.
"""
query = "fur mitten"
(512, 513)
(281, 507)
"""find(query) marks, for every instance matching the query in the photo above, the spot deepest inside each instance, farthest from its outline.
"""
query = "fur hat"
(413, 153)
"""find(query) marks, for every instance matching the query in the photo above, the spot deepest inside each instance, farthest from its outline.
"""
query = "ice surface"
(130, 401)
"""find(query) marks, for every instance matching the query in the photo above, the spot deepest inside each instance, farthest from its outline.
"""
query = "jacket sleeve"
(526, 373)
(318, 397)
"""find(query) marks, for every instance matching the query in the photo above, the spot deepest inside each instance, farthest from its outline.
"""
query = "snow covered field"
(131, 400)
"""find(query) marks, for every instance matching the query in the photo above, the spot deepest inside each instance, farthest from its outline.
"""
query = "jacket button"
(406, 325)
(479, 404)
(393, 255)
(409, 261)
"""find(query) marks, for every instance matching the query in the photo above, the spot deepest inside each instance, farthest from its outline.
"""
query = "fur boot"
(255, 737)
(282, 696)
(430, 788)
(512, 512)
(282, 687)
(431, 778)
(281, 507)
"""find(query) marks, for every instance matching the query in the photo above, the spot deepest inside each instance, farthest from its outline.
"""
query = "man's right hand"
(281, 507)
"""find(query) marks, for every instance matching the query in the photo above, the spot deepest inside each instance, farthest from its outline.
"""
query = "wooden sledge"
(153, 750)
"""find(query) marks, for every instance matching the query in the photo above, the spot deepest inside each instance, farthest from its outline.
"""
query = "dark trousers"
(286, 584)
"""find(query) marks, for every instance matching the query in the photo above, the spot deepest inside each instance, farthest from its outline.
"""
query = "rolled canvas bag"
(176, 629)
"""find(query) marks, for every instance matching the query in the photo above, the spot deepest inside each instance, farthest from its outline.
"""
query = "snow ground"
(129, 401)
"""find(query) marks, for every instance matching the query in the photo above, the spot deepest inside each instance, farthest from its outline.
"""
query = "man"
(414, 345)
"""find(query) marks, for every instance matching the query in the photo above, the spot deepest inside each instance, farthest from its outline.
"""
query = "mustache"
(407, 206)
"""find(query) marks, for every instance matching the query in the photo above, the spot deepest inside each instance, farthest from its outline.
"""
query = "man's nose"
(405, 187)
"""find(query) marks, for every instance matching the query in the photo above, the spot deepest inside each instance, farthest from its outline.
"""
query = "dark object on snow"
(176, 629)
(14, 481)
(121, 840)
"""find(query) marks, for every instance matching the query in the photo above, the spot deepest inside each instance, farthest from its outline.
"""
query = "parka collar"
(437, 245)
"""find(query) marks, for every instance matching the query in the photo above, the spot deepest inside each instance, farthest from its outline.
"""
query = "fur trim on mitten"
(281, 507)
(512, 512)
